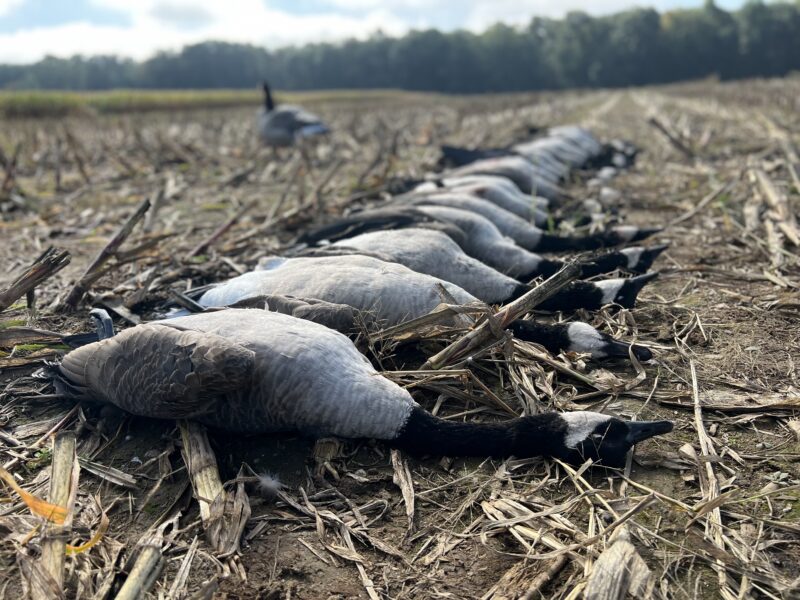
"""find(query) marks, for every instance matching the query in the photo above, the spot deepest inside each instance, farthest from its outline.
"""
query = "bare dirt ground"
(708, 511)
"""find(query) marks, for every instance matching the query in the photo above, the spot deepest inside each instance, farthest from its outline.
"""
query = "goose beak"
(646, 232)
(629, 292)
(638, 282)
(648, 257)
(638, 431)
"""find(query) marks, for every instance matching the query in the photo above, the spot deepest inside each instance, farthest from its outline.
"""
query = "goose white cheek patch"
(610, 289)
(585, 338)
(626, 232)
(580, 425)
(428, 186)
(634, 255)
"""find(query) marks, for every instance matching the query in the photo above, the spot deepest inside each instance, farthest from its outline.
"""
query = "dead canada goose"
(392, 294)
(255, 371)
(525, 175)
(435, 253)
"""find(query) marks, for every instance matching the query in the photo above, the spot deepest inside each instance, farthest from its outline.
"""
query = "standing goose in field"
(435, 253)
(285, 125)
(253, 371)
(391, 294)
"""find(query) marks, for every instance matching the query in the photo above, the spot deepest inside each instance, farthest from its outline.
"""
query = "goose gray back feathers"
(526, 208)
(434, 253)
(485, 242)
(522, 232)
(241, 370)
(518, 169)
(392, 292)
(285, 124)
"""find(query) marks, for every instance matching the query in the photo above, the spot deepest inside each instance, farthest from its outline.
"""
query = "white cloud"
(7, 5)
(153, 27)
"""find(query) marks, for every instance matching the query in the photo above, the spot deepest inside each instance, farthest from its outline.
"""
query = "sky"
(31, 29)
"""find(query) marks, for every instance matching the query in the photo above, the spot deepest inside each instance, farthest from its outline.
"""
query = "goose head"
(641, 259)
(624, 291)
(582, 337)
(582, 435)
(623, 234)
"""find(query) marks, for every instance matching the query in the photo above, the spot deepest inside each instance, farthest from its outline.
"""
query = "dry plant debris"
(151, 206)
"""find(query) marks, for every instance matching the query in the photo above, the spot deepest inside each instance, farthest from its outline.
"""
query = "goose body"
(559, 149)
(484, 241)
(285, 125)
(546, 166)
(434, 253)
(242, 370)
(254, 371)
(528, 209)
(524, 233)
(392, 292)
(527, 235)
(480, 239)
(521, 171)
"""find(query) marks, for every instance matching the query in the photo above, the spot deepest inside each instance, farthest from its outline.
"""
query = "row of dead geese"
(473, 232)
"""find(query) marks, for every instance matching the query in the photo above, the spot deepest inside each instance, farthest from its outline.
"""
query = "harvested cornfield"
(148, 206)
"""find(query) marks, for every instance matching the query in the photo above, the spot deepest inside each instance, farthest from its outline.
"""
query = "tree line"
(635, 47)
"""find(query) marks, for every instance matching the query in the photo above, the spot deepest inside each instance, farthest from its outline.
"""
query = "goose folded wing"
(293, 118)
(339, 317)
(159, 371)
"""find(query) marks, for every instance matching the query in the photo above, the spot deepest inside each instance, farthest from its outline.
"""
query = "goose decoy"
(252, 371)
(434, 253)
(285, 125)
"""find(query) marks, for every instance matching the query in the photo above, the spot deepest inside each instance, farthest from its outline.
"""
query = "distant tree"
(633, 47)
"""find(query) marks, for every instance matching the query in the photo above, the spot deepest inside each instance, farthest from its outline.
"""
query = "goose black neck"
(546, 268)
(578, 294)
(268, 102)
(425, 434)
(605, 263)
(557, 243)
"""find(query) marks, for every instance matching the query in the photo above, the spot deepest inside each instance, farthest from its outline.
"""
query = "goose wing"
(362, 222)
(158, 370)
(293, 118)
